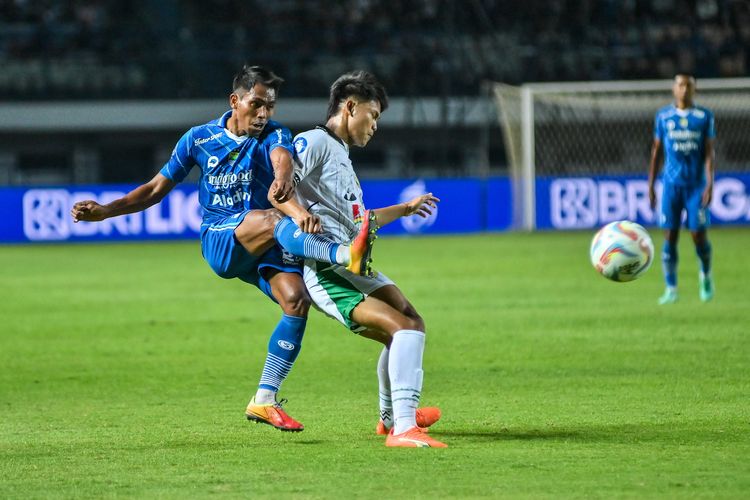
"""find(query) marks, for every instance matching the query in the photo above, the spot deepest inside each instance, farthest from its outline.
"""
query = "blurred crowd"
(189, 49)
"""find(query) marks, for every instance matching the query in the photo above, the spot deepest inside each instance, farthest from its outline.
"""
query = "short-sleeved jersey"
(235, 172)
(326, 183)
(683, 134)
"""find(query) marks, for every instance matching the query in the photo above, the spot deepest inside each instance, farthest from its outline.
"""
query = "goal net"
(605, 128)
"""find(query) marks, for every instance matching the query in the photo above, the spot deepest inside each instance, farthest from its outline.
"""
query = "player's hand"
(707, 196)
(652, 197)
(421, 205)
(309, 223)
(282, 189)
(87, 210)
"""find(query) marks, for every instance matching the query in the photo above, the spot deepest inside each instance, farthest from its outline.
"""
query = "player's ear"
(350, 105)
(233, 100)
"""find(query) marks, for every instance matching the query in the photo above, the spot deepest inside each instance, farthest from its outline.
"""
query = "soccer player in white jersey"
(684, 138)
(245, 163)
(369, 305)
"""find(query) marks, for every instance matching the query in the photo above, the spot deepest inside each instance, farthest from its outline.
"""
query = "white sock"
(343, 255)
(384, 390)
(405, 371)
(265, 396)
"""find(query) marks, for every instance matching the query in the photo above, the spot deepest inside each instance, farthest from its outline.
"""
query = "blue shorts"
(675, 199)
(229, 259)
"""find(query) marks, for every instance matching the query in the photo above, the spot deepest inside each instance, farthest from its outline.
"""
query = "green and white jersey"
(326, 183)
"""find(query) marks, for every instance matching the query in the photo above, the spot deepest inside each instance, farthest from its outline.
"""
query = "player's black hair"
(360, 84)
(250, 75)
(685, 73)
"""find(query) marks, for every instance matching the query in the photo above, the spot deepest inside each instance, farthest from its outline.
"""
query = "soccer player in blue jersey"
(245, 162)
(685, 133)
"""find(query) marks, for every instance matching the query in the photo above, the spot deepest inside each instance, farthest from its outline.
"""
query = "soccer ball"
(622, 251)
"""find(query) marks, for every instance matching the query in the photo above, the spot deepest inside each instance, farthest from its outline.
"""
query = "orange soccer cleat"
(361, 248)
(273, 415)
(425, 418)
(413, 438)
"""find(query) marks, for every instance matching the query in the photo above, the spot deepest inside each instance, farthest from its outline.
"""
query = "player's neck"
(338, 126)
(233, 126)
(683, 104)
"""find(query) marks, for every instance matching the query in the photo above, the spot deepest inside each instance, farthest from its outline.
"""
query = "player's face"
(252, 109)
(363, 121)
(683, 89)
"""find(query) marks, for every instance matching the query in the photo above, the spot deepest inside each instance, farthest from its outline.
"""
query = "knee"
(271, 217)
(295, 302)
(413, 320)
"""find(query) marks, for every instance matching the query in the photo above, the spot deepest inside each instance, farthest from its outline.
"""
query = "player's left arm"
(710, 156)
(281, 192)
(421, 205)
(282, 188)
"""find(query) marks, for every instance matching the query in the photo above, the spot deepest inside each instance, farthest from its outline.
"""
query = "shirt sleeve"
(309, 155)
(181, 161)
(710, 126)
(658, 127)
(280, 137)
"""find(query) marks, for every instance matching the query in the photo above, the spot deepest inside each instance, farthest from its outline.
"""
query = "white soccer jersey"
(326, 183)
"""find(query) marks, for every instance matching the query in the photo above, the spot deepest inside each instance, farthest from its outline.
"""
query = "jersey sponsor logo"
(670, 125)
(212, 161)
(227, 180)
(287, 346)
(198, 142)
(230, 199)
(300, 144)
(350, 197)
(279, 136)
(699, 113)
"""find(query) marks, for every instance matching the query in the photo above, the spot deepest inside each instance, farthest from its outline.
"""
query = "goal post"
(594, 129)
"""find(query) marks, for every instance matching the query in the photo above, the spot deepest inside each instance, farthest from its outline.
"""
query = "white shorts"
(336, 291)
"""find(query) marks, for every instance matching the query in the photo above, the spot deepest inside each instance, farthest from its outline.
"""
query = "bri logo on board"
(46, 216)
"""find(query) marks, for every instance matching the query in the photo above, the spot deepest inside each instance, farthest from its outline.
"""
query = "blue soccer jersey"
(683, 134)
(235, 172)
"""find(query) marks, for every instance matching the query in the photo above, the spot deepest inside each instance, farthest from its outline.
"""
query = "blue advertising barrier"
(43, 213)
(467, 205)
(588, 202)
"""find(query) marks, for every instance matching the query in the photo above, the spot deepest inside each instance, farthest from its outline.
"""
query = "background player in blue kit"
(686, 134)
(245, 162)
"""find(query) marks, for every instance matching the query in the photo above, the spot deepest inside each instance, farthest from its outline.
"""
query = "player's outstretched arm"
(138, 199)
(421, 205)
(653, 170)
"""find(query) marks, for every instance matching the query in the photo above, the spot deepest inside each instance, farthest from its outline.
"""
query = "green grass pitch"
(125, 370)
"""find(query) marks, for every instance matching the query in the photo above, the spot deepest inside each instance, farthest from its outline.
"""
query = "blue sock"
(310, 246)
(704, 256)
(669, 263)
(283, 348)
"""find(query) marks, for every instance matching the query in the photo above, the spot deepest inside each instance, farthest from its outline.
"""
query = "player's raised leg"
(283, 348)
(260, 229)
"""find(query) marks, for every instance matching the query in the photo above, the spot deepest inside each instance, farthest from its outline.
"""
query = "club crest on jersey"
(683, 122)
(300, 144)
(357, 216)
(233, 157)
